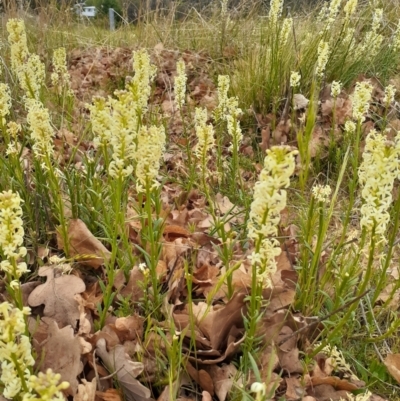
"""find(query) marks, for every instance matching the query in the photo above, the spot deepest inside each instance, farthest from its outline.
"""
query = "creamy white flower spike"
(361, 97)
(322, 193)
(5, 102)
(46, 387)
(18, 43)
(350, 8)
(269, 200)
(396, 38)
(287, 25)
(373, 40)
(151, 146)
(180, 84)
(60, 77)
(122, 135)
(140, 86)
(390, 91)
(336, 88)
(323, 56)
(42, 132)
(205, 137)
(15, 349)
(295, 78)
(377, 172)
(275, 11)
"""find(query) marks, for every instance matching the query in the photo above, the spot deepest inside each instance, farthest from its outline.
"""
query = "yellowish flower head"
(205, 137)
(42, 132)
(372, 42)
(60, 77)
(140, 86)
(350, 127)
(396, 38)
(151, 146)
(14, 346)
(322, 193)
(377, 172)
(360, 99)
(11, 225)
(390, 91)
(350, 8)
(285, 31)
(102, 121)
(323, 56)
(275, 11)
(47, 387)
(31, 76)
(336, 88)
(222, 92)
(5, 101)
(295, 78)
(234, 130)
(332, 13)
(18, 44)
(269, 200)
(122, 135)
(180, 84)
(13, 129)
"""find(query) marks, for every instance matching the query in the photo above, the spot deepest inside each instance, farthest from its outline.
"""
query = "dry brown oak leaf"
(62, 353)
(117, 360)
(57, 294)
(84, 245)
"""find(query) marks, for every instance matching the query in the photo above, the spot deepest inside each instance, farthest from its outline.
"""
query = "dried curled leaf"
(117, 360)
(58, 296)
(62, 353)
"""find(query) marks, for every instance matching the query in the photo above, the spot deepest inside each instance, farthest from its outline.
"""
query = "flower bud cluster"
(295, 78)
(180, 84)
(228, 110)
(390, 91)
(332, 13)
(31, 76)
(18, 44)
(151, 145)
(15, 349)
(28, 67)
(42, 132)
(373, 40)
(275, 11)
(377, 172)
(205, 137)
(361, 97)
(122, 134)
(321, 193)
(60, 77)
(287, 25)
(140, 85)
(323, 56)
(395, 45)
(5, 101)
(269, 201)
(336, 88)
(17, 360)
(350, 8)
(102, 121)
(47, 387)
